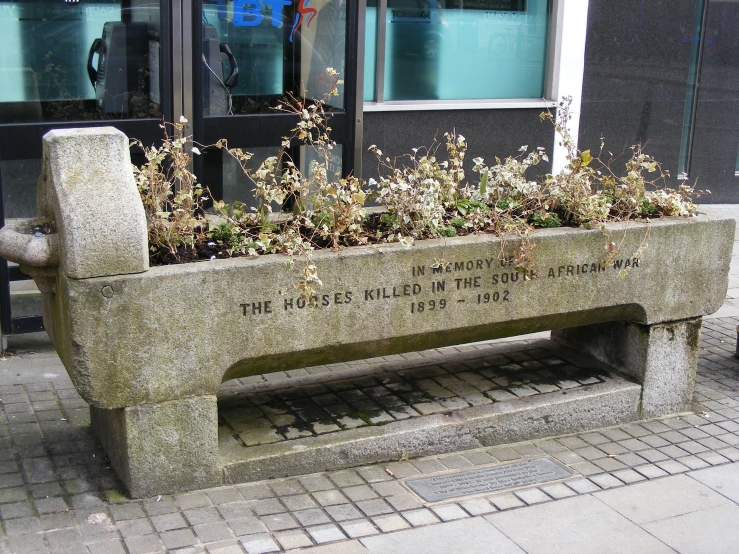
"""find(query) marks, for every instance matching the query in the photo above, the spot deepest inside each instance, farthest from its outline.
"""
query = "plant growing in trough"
(420, 196)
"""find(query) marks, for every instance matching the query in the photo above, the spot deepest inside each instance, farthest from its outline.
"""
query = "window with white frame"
(455, 49)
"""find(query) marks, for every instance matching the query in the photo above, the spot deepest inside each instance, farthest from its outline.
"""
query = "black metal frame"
(352, 90)
(6, 322)
(22, 141)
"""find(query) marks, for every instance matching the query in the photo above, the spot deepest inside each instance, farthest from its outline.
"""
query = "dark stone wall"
(637, 61)
(636, 68)
(716, 134)
(489, 133)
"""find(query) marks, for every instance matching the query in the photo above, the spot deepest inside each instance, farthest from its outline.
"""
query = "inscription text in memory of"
(442, 285)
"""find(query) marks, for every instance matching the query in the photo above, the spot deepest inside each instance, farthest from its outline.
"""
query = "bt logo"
(249, 13)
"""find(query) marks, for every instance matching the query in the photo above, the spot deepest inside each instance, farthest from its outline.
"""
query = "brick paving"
(57, 493)
(472, 379)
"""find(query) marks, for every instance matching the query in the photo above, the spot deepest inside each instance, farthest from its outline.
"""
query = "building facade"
(662, 73)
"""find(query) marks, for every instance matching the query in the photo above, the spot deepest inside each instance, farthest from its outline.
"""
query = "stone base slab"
(613, 402)
(161, 448)
(662, 357)
(584, 395)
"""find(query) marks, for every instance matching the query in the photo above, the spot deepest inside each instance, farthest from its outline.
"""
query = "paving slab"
(712, 530)
(659, 499)
(346, 547)
(724, 480)
(474, 536)
(583, 525)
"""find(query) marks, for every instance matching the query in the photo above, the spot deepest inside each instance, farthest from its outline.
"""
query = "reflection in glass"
(308, 155)
(690, 96)
(236, 184)
(309, 158)
(19, 199)
(323, 45)
(370, 51)
(257, 51)
(460, 49)
(90, 60)
(228, 182)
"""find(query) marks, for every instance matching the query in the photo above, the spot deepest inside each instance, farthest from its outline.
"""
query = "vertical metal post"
(177, 60)
(6, 324)
(359, 99)
(554, 48)
(380, 51)
(189, 22)
(166, 61)
(687, 141)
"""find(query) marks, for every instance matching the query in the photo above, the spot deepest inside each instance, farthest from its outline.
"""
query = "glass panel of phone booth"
(255, 52)
(323, 46)
(19, 201)
(329, 160)
(370, 51)
(84, 60)
(239, 186)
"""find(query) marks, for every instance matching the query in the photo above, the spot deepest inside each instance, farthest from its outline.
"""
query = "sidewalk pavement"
(664, 485)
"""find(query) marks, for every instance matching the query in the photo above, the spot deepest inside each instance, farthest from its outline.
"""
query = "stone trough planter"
(149, 347)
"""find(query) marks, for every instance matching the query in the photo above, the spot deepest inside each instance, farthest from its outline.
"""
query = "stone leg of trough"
(662, 357)
(162, 448)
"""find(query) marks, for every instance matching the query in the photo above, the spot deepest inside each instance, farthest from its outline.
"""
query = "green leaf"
(484, 183)
(586, 157)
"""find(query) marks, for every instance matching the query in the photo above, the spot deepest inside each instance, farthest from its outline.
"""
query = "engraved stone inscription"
(489, 479)
(486, 282)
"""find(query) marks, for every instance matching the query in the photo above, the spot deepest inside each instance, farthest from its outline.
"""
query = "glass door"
(248, 57)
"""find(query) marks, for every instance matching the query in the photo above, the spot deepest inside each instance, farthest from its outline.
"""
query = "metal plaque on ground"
(489, 479)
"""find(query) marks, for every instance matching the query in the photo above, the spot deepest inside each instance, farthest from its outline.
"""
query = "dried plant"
(172, 197)
(423, 195)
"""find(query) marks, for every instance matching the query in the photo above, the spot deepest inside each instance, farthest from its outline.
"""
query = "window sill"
(439, 105)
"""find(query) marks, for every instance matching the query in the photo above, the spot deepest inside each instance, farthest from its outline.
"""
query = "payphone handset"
(217, 89)
(123, 65)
